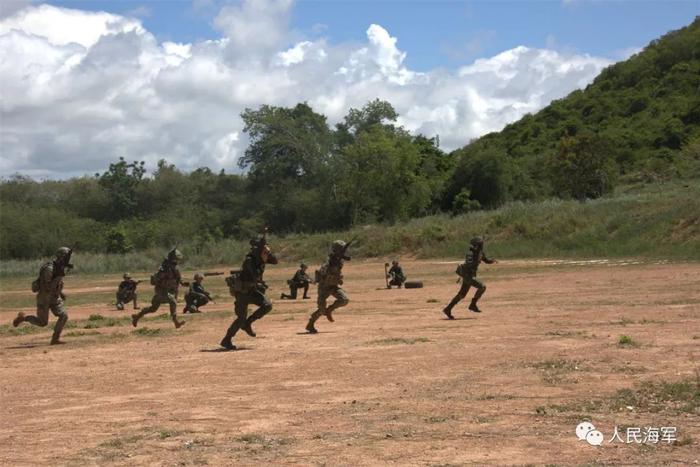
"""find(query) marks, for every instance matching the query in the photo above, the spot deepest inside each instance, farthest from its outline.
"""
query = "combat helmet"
(174, 255)
(198, 276)
(303, 266)
(63, 252)
(338, 247)
(126, 275)
(477, 242)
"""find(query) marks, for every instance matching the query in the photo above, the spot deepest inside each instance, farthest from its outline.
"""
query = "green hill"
(639, 121)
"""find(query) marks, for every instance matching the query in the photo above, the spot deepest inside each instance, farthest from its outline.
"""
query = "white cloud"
(79, 89)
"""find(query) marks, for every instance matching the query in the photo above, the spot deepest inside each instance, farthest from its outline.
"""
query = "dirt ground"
(390, 382)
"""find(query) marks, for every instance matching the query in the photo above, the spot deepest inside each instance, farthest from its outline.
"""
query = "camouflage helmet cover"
(477, 241)
(338, 246)
(198, 276)
(303, 266)
(127, 275)
(63, 252)
(175, 255)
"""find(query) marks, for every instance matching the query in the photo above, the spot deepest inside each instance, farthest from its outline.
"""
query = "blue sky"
(438, 33)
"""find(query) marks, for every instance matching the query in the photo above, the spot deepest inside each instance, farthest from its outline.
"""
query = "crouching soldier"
(329, 279)
(395, 275)
(197, 296)
(248, 287)
(49, 295)
(467, 271)
(167, 282)
(301, 280)
(126, 292)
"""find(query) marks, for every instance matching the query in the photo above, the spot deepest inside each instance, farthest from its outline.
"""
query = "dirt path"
(390, 382)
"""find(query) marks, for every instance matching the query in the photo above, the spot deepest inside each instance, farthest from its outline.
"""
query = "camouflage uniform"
(49, 288)
(197, 295)
(329, 279)
(301, 280)
(167, 282)
(474, 257)
(126, 292)
(250, 289)
(396, 275)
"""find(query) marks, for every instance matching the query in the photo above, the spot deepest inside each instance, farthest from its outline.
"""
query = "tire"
(413, 284)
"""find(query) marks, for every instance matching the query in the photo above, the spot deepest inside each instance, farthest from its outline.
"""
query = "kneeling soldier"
(329, 279)
(467, 272)
(197, 296)
(49, 294)
(248, 287)
(126, 292)
(301, 280)
(395, 275)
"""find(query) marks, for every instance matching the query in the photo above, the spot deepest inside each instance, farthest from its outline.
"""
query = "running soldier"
(301, 280)
(395, 275)
(329, 279)
(467, 271)
(248, 287)
(49, 294)
(197, 296)
(126, 292)
(167, 282)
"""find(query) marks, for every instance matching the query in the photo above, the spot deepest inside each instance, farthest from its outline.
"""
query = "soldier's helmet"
(62, 252)
(477, 241)
(395, 263)
(198, 276)
(175, 255)
(127, 275)
(337, 247)
(303, 266)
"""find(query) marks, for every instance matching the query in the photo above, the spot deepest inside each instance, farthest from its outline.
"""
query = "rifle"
(345, 249)
(207, 274)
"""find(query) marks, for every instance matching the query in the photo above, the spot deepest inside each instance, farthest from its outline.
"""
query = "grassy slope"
(654, 221)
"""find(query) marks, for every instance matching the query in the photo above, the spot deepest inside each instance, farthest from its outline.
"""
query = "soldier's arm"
(488, 260)
(272, 259)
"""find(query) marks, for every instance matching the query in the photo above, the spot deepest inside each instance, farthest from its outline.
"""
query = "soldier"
(197, 296)
(127, 292)
(248, 287)
(49, 294)
(299, 281)
(167, 282)
(467, 272)
(395, 275)
(329, 279)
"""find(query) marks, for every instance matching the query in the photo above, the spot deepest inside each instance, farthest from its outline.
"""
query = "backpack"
(462, 270)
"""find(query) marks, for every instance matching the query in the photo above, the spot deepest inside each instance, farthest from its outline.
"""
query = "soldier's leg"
(189, 305)
(306, 290)
(201, 301)
(59, 310)
(241, 310)
(293, 289)
(340, 300)
(136, 305)
(41, 318)
(466, 282)
(172, 301)
(323, 295)
(264, 307)
(480, 289)
(155, 304)
(120, 302)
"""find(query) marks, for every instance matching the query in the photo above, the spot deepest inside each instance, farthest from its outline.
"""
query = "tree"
(374, 113)
(582, 167)
(120, 182)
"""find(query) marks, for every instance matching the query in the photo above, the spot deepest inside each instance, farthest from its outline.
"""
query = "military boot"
(247, 327)
(178, 324)
(448, 313)
(312, 320)
(135, 319)
(227, 344)
(57, 329)
(18, 320)
(120, 306)
(473, 307)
